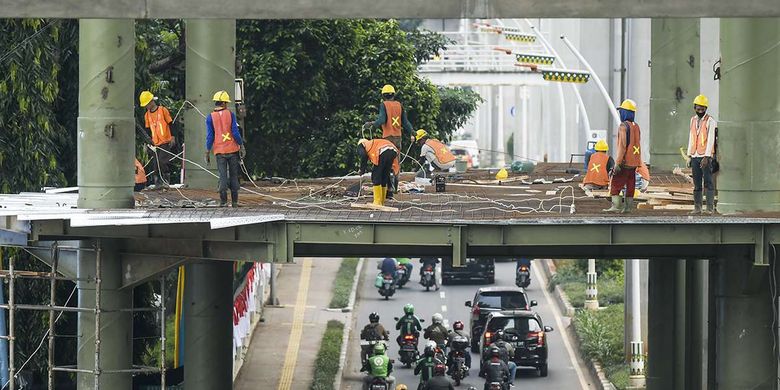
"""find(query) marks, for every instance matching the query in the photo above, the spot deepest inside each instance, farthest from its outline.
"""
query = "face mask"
(700, 114)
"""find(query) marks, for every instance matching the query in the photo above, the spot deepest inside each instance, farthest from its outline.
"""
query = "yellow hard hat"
(221, 96)
(601, 146)
(502, 174)
(701, 100)
(629, 105)
(420, 133)
(145, 98)
(401, 387)
(388, 89)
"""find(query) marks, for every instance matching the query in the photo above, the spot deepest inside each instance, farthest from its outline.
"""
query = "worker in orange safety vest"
(702, 145)
(382, 153)
(433, 152)
(158, 120)
(600, 164)
(140, 176)
(628, 159)
(224, 139)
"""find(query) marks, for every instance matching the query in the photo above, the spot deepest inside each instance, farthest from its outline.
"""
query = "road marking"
(291, 356)
(444, 308)
(557, 314)
(441, 294)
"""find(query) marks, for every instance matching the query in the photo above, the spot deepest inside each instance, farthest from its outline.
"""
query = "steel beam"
(698, 291)
(674, 83)
(749, 131)
(211, 66)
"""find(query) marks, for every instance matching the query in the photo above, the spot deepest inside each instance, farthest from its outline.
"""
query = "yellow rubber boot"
(378, 195)
(384, 195)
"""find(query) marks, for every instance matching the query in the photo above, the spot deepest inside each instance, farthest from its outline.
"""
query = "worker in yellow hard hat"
(599, 164)
(393, 121)
(383, 155)
(702, 145)
(224, 140)
(158, 120)
(433, 152)
(629, 158)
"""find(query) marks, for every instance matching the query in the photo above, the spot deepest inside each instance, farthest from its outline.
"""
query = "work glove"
(208, 157)
(242, 152)
(704, 162)
(688, 162)
(412, 138)
(173, 142)
(616, 170)
(368, 124)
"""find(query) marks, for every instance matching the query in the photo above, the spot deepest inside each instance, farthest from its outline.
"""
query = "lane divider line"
(444, 308)
(291, 356)
(441, 294)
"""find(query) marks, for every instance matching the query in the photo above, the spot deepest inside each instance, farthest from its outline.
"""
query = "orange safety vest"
(140, 173)
(633, 155)
(597, 170)
(644, 172)
(699, 136)
(158, 122)
(443, 155)
(392, 125)
(375, 147)
(223, 132)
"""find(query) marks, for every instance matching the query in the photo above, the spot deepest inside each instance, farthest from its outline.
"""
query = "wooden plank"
(371, 206)
(675, 207)
(644, 206)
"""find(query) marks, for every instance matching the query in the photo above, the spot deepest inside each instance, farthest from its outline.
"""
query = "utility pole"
(636, 379)
(591, 288)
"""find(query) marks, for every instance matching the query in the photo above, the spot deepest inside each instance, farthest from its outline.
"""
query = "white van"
(471, 146)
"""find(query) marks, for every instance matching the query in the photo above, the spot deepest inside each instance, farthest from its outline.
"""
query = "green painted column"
(660, 349)
(749, 123)
(208, 324)
(116, 328)
(211, 64)
(106, 127)
(674, 76)
(698, 347)
(681, 323)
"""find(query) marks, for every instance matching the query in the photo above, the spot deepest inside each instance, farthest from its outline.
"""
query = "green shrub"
(618, 375)
(327, 364)
(342, 286)
(601, 334)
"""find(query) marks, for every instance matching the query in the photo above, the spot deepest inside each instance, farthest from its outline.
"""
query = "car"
(523, 329)
(493, 299)
(482, 268)
(463, 154)
(472, 147)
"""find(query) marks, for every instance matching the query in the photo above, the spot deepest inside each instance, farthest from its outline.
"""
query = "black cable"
(26, 40)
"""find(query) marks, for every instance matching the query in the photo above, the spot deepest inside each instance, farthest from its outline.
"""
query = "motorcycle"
(408, 348)
(402, 274)
(388, 286)
(497, 386)
(378, 384)
(366, 348)
(523, 278)
(428, 278)
(458, 369)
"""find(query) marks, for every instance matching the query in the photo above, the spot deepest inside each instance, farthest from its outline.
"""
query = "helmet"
(145, 98)
(409, 308)
(437, 318)
(221, 96)
(601, 146)
(388, 89)
(420, 133)
(438, 369)
(494, 352)
(401, 387)
(629, 105)
(373, 317)
(431, 344)
(428, 351)
(458, 325)
(701, 100)
(379, 348)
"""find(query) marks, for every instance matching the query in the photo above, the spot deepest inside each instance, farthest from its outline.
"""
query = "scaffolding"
(12, 275)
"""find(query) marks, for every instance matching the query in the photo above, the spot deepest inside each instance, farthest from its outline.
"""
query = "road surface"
(449, 301)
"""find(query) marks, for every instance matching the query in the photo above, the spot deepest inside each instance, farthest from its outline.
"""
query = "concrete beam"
(332, 9)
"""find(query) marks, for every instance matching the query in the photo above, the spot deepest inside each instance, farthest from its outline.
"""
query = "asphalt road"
(449, 301)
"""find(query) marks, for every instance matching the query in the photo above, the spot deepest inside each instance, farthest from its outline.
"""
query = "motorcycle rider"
(439, 381)
(425, 367)
(437, 332)
(407, 263)
(373, 331)
(408, 324)
(378, 366)
(457, 331)
(496, 369)
(506, 353)
(388, 266)
(429, 261)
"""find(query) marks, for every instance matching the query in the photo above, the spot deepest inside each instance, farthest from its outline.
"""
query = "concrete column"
(106, 127)
(211, 66)
(674, 84)
(208, 324)
(698, 292)
(680, 320)
(743, 329)
(660, 349)
(749, 126)
(116, 328)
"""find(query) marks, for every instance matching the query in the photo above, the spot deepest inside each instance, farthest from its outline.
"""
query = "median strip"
(327, 364)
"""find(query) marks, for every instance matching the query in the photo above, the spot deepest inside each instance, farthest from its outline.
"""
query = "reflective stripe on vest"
(223, 132)
(392, 125)
(597, 170)
(633, 156)
(443, 155)
(158, 125)
(699, 136)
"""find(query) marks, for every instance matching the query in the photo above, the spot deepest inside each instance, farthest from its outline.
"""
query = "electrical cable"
(28, 39)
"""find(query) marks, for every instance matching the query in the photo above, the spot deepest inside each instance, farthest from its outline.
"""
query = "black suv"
(492, 299)
(525, 331)
(482, 268)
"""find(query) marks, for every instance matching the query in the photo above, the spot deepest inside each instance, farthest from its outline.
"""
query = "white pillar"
(591, 287)
(637, 361)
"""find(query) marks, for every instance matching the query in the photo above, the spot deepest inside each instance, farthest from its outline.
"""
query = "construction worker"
(158, 120)
(433, 152)
(629, 158)
(599, 165)
(378, 365)
(140, 176)
(224, 140)
(393, 121)
(383, 154)
(701, 151)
